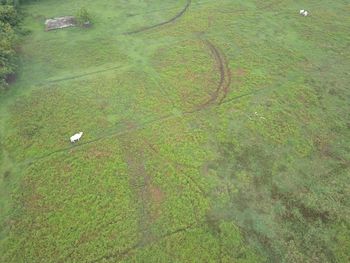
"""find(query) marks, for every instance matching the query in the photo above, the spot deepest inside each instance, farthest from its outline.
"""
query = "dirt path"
(162, 23)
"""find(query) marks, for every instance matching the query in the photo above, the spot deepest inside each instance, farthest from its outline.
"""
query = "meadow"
(214, 131)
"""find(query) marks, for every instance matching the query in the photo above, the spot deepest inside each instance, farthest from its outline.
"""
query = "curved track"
(162, 23)
(225, 78)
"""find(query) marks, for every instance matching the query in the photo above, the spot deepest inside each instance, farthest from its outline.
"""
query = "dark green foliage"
(9, 2)
(7, 52)
(9, 19)
(8, 14)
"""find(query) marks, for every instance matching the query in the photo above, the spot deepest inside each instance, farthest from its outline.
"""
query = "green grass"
(222, 136)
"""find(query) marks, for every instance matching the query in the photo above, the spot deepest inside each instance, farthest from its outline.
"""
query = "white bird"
(305, 13)
(76, 137)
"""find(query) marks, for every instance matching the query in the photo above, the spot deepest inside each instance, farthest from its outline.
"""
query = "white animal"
(303, 12)
(76, 137)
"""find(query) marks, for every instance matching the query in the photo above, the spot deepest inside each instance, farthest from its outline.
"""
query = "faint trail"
(140, 181)
(243, 95)
(78, 76)
(83, 75)
(262, 8)
(179, 167)
(138, 127)
(156, 151)
(228, 78)
(117, 256)
(120, 255)
(106, 135)
(164, 90)
(162, 23)
(65, 258)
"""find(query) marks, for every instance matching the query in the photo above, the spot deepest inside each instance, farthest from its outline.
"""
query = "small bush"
(83, 17)
(9, 20)
(8, 14)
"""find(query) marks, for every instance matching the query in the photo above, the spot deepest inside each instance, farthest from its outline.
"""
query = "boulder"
(60, 22)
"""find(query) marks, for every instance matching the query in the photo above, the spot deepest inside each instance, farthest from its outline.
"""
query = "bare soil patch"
(240, 72)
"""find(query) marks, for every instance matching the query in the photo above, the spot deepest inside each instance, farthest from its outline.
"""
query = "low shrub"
(83, 17)
(9, 19)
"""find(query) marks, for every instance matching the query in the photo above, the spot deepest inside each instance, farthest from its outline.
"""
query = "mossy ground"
(221, 136)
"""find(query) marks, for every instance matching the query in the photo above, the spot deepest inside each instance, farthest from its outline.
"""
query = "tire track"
(225, 77)
(162, 23)
(171, 8)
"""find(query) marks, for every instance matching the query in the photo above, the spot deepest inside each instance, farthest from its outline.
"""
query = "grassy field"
(214, 131)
